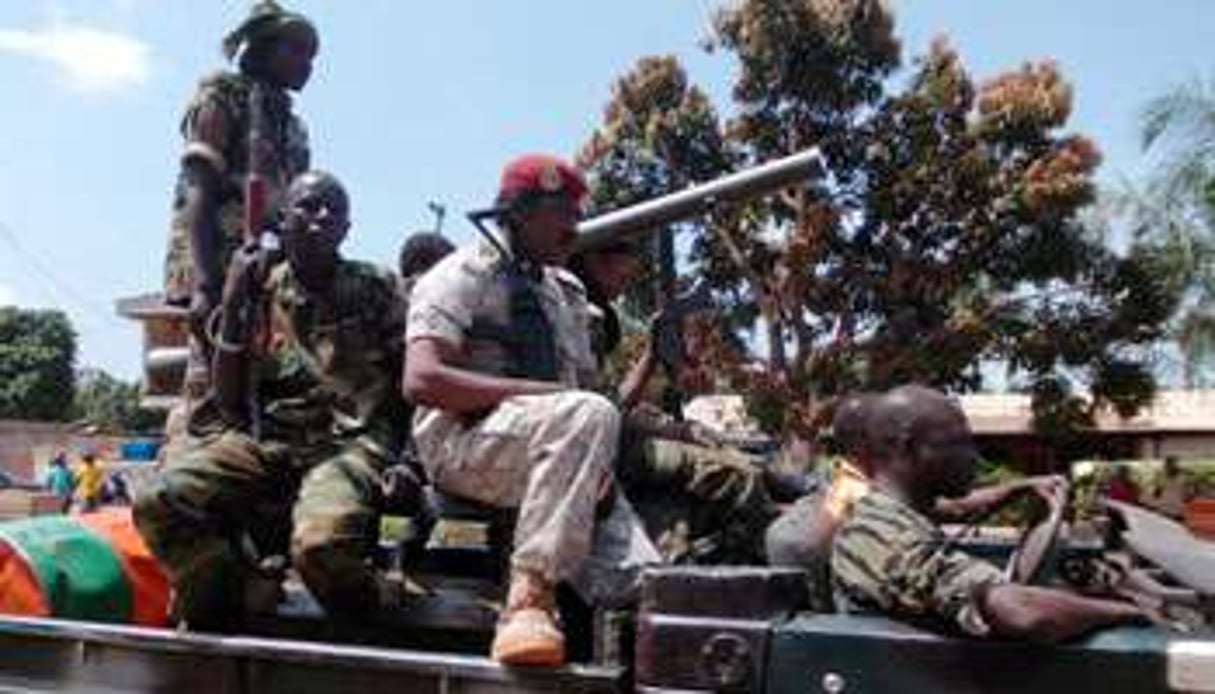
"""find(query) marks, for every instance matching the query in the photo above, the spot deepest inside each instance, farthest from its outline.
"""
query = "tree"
(111, 404)
(944, 233)
(659, 134)
(37, 351)
(1175, 210)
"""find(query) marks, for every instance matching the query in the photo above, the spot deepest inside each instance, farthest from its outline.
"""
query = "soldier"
(325, 418)
(421, 251)
(498, 360)
(804, 534)
(702, 501)
(891, 557)
(274, 50)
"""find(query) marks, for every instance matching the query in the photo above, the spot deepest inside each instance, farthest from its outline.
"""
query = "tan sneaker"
(529, 637)
(528, 633)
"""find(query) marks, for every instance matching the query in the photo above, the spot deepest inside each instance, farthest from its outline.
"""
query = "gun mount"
(747, 184)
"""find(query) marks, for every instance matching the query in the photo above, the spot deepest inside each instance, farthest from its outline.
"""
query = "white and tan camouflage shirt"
(465, 296)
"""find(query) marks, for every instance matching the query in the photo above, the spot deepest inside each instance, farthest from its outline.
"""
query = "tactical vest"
(527, 338)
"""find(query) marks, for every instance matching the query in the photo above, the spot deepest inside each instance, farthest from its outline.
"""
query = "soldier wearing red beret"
(499, 362)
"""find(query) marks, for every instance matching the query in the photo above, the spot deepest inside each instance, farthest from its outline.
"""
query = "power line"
(63, 292)
(61, 287)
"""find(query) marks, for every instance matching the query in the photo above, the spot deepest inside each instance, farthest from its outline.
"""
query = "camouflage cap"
(266, 19)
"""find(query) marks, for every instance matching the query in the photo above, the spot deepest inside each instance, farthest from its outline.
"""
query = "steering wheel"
(1038, 541)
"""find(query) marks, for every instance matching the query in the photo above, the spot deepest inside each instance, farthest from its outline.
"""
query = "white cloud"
(7, 296)
(88, 58)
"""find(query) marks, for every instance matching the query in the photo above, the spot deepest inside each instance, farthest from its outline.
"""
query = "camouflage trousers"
(551, 457)
(222, 493)
(702, 504)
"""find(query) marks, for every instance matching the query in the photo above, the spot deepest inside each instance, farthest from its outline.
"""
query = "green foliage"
(37, 351)
(659, 135)
(1175, 211)
(111, 404)
(943, 234)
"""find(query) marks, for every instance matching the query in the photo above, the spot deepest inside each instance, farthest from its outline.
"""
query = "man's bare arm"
(201, 185)
(632, 388)
(430, 379)
(992, 497)
(1048, 616)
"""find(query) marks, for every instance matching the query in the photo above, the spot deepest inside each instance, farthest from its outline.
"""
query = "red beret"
(541, 174)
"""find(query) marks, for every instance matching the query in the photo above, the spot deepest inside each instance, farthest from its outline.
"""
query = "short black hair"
(421, 250)
(850, 424)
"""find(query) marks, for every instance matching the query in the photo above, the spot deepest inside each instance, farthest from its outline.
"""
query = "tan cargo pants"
(549, 456)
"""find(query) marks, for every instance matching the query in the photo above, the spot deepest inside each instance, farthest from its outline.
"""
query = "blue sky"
(417, 101)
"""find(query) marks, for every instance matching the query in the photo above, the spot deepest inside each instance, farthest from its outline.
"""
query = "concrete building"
(1179, 423)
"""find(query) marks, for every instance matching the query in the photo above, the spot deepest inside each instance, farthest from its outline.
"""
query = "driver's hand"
(1049, 487)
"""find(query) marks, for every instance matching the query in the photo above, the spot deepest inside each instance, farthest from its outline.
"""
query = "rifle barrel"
(651, 215)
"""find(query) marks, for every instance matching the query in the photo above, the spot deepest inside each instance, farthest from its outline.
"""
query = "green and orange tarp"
(93, 567)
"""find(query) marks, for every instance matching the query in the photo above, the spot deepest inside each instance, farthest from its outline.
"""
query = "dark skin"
(316, 221)
(542, 234)
(287, 65)
(849, 427)
(611, 272)
(289, 62)
(928, 454)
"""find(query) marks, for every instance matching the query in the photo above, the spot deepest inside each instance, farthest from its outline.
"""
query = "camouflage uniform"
(790, 539)
(216, 131)
(548, 455)
(890, 558)
(330, 420)
(701, 503)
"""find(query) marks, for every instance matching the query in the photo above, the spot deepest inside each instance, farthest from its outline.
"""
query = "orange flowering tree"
(943, 239)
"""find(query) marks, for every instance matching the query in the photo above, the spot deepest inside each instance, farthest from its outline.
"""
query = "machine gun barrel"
(740, 186)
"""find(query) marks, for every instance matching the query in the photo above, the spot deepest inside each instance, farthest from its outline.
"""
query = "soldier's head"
(850, 429)
(316, 217)
(421, 251)
(275, 45)
(541, 199)
(921, 444)
(608, 270)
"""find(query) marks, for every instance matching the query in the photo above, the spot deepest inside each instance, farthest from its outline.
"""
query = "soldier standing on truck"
(703, 502)
(274, 50)
(326, 421)
(891, 557)
(499, 362)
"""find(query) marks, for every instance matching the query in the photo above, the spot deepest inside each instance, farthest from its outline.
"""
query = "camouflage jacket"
(215, 129)
(332, 364)
(890, 558)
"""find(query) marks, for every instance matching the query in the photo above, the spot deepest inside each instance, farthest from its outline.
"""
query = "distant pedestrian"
(59, 480)
(1123, 487)
(115, 491)
(90, 480)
